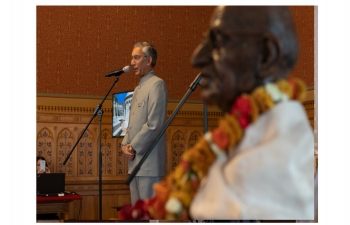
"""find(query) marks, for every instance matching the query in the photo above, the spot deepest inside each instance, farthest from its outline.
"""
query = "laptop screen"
(48, 184)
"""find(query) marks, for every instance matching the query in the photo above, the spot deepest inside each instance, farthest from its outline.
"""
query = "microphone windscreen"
(126, 69)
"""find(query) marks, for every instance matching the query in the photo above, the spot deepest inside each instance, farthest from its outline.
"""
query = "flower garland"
(173, 195)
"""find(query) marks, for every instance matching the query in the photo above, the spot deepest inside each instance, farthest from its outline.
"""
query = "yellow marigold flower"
(178, 173)
(301, 90)
(254, 108)
(233, 129)
(263, 99)
(285, 87)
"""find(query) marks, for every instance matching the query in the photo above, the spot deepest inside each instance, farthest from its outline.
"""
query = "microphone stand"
(205, 110)
(98, 112)
(165, 126)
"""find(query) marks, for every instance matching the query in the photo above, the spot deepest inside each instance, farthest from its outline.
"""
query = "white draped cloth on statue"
(269, 176)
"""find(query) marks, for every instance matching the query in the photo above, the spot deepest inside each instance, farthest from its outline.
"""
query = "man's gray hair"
(148, 50)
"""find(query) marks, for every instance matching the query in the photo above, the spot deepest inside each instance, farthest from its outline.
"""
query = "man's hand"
(128, 151)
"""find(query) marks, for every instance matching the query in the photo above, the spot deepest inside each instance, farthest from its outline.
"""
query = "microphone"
(118, 72)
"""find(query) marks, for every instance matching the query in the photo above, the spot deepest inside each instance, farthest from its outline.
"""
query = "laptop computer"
(50, 184)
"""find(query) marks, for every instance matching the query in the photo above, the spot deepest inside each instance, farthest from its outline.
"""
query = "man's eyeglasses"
(137, 57)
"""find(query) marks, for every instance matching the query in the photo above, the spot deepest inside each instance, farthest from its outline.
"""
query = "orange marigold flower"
(293, 86)
(156, 207)
(162, 190)
(220, 138)
(301, 90)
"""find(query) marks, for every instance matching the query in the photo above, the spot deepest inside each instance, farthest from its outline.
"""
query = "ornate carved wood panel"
(108, 165)
(58, 128)
(86, 156)
(44, 145)
(65, 141)
(194, 137)
(177, 148)
(122, 163)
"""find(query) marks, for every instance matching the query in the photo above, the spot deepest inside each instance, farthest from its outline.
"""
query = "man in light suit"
(147, 116)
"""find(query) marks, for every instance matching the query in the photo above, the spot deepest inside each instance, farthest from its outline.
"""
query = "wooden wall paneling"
(109, 200)
(114, 193)
(87, 155)
(111, 192)
(83, 163)
(178, 145)
(194, 137)
(59, 127)
(75, 208)
(109, 153)
(90, 207)
(65, 141)
(309, 108)
(123, 198)
(45, 141)
(122, 162)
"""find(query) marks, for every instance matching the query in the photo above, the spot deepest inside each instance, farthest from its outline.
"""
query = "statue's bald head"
(245, 47)
(276, 20)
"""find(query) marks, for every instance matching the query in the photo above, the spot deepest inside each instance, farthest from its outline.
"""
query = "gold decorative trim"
(79, 110)
(55, 109)
(194, 113)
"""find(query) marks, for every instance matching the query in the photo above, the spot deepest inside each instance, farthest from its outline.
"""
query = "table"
(56, 204)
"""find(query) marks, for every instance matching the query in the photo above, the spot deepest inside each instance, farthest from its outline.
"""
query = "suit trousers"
(142, 187)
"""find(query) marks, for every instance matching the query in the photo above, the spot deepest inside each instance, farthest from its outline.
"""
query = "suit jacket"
(147, 117)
